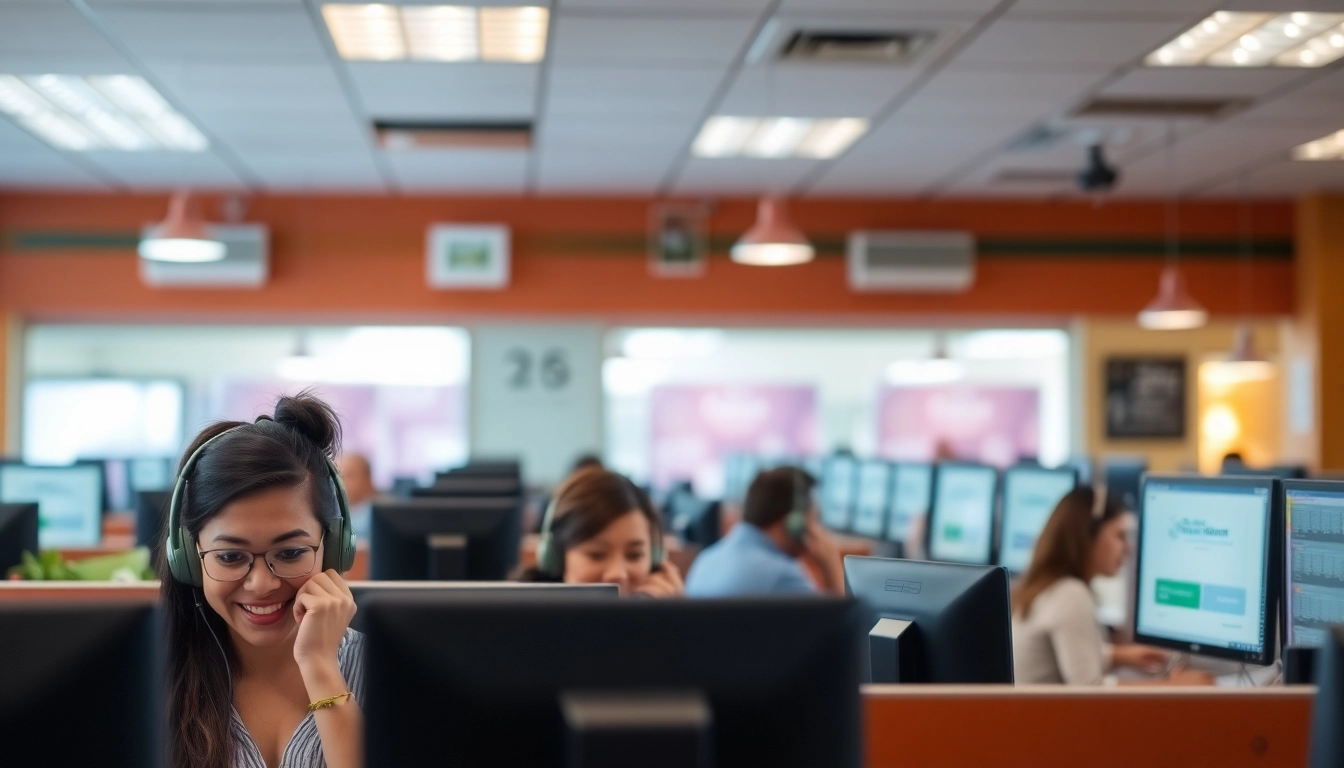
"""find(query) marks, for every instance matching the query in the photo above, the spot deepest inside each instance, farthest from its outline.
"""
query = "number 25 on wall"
(552, 373)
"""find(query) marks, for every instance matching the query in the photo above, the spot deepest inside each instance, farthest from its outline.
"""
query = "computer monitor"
(18, 534)
(873, 499)
(445, 539)
(55, 658)
(692, 519)
(961, 513)
(838, 485)
(1030, 495)
(934, 622)
(484, 468)
(732, 683)
(1122, 477)
(911, 491)
(1205, 569)
(69, 501)
(363, 591)
(151, 509)
(1282, 471)
(1313, 560)
(471, 486)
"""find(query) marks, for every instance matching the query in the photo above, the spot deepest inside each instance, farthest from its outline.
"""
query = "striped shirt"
(305, 746)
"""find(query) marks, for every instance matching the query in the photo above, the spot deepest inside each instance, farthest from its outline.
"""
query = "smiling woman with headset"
(263, 669)
(601, 529)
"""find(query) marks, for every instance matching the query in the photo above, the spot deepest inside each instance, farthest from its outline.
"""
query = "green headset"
(338, 540)
(551, 559)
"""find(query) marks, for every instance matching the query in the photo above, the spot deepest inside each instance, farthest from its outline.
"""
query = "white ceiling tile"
(918, 6)
(241, 30)
(642, 133)
(166, 170)
(51, 28)
(741, 175)
(814, 91)
(1146, 8)
(26, 170)
(962, 94)
(1066, 44)
(243, 86)
(600, 91)
(281, 129)
(310, 170)
(661, 6)
(448, 170)
(433, 91)
(649, 40)
(1286, 178)
(613, 171)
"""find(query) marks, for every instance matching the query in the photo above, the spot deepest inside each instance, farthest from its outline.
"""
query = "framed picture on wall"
(467, 256)
(1145, 398)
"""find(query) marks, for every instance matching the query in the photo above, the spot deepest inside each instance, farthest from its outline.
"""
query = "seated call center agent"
(263, 669)
(1056, 638)
(357, 476)
(601, 529)
(759, 556)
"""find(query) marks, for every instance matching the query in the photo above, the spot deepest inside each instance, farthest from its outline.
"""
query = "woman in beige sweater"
(1056, 638)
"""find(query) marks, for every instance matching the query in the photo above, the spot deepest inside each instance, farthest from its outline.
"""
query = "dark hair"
(286, 450)
(1064, 547)
(773, 495)
(586, 461)
(585, 504)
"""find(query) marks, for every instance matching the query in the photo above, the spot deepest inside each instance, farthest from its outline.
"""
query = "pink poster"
(404, 431)
(993, 425)
(696, 426)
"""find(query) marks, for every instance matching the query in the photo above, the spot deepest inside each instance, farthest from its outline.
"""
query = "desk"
(1059, 727)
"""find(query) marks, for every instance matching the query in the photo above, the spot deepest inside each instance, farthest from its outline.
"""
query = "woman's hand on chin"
(323, 608)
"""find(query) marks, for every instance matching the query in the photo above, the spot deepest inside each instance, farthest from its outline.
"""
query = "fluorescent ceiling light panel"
(1326, 148)
(776, 137)
(437, 32)
(117, 112)
(1232, 39)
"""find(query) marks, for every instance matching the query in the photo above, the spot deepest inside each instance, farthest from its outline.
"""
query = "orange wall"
(337, 258)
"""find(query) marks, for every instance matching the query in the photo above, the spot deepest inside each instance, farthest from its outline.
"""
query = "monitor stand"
(666, 730)
(891, 651)
(447, 557)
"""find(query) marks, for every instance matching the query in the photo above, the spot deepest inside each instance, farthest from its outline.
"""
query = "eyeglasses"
(291, 562)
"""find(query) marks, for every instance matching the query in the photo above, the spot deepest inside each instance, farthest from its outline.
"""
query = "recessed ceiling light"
(437, 32)
(116, 112)
(776, 137)
(1236, 39)
(1326, 148)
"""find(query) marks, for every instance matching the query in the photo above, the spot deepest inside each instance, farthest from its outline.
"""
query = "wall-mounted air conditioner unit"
(246, 262)
(911, 261)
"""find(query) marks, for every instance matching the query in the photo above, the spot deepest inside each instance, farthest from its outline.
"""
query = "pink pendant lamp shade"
(182, 237)
(772, 241)
(1173, 309)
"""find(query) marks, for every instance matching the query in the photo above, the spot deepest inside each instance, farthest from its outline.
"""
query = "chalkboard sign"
(1145, 397)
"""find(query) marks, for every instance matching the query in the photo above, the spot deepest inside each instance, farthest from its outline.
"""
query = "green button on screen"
(1182, 594)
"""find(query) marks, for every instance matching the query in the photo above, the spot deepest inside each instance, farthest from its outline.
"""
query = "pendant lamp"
(1173, 309)
(772, 241)
(182, 237)
(1245, 361)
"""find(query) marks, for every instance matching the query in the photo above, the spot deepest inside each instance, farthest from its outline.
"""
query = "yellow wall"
(1104, 338)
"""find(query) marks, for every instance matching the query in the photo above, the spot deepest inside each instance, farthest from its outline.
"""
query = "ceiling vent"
(1040, 137)
(915, 262)
(855, 47)
(1157, 109)
(442, 135)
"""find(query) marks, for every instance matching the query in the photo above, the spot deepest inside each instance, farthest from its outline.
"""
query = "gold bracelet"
(331, 702)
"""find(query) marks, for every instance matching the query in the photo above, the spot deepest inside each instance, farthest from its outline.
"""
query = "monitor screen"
(909, 499)
(1029, 498)
(1314, 565)
(837, 492)
(961, 523)
(1203, 566)
(870, 506)
(69, 501)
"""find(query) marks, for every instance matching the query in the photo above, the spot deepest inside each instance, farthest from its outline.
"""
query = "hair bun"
(312, 418)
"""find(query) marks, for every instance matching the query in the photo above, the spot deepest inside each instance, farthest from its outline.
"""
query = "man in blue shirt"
(759, 556)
